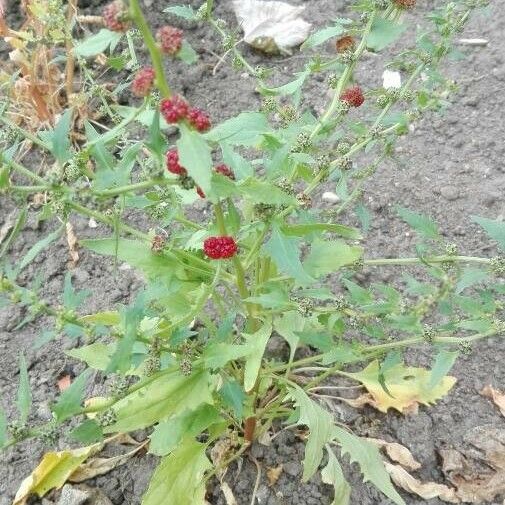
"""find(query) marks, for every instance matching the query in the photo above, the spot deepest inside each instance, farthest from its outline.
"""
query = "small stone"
(73, 496)
(449, 193)
(292, 468)
(80, 275)
(329, 196)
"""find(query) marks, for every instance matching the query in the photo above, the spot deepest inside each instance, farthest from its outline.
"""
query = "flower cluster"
(175, 109)
(143, 81)
(218, 248)
(169, 39)
(353, 96)
(115, 16)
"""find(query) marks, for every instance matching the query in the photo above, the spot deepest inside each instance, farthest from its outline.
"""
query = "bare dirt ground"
(451, 167)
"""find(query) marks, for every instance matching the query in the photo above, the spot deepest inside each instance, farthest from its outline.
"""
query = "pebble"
(73, 496)
(80, 275)
(329, 196)
(449, 193)
(292, 468)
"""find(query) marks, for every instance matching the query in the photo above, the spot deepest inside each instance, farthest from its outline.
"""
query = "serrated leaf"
(444, 361)
(187, 54)
(422, 224)
(370, 462)
(494, 228)
(321, 430)
(24, 396)
(383, 33)
(60, 141)
(470, 277)
(69, 402)
(178, 479)
(321, 36)
(256, 343)
(262, 192)
(407, 386)
(194, 156)
(161, 398)
(53, 471)
(96, 355)
(37, 248)
(241, 167)
(87, 432)
(285, 253)
(71, 298)
(217, 354)
(327, 257)
(233, 396)
(291, 88)
(182, 11)
(245, 129)
(97, 43)
(332, 474)
(168, 434)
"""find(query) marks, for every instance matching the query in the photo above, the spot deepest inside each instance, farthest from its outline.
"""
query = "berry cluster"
(218, 248)
(353, 96)
(143, 81)
(173, 163)
(225, 170)
(169, 39)
(344, 44)
(115, 16)
(175, 109)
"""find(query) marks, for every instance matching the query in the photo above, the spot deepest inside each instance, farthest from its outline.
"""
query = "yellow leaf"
(407, 386)
(53, 471)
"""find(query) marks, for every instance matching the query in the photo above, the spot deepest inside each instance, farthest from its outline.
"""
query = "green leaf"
(194, 156)
(137, 254)
(470, 277)
(156, 141)
(161, 398)
(104, 159)
(240, 166)
(60, 141)
(97, 43)
(245, 129)
(384, 33)
(69, 402)
(257, 343)
(288, 326)
(178, 479)
(328, 257)
(286, 255)
(262, 192)
(24, 397)
(320, 424)
(16, 230)
(321, 36)
(307, 228)
(187, 54)
(444, 361)
(168, 434)
(96, 355)
(332, 474)
(494, 228)
(233, 396)
(38, 248)
(217, 354)
(367, 456)
(182, 11)
(120, 174)
(289, 88)
(88, 432)
(71, 298)
(358, 294)
(422, 224)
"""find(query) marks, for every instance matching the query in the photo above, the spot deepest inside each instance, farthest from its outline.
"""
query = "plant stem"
(156, 57)
(136, 186)
(433, 259)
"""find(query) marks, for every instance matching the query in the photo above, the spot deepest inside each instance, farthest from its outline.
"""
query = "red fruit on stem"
(169, 39)
(174, 109)
(353, 96)
(220, 247)
(115, 16)
(173, 163)
(143, 81)
(225, 170)
(199, 119)
(200, 192)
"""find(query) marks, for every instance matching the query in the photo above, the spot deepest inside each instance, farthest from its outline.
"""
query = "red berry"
(115, 16)
(405, 4)
(353, 96)
(143, 81)
(200, 192)
(169, 39)
(220, 247)
(174, 109)
(173, 163)
(199, 119)
(225, 170)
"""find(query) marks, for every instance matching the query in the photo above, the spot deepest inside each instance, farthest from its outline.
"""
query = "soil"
(450, 167)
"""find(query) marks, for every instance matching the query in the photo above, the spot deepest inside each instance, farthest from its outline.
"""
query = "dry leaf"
(426, 490)
(8, 224)
(497, 396)
(72, 244)
(407, 387)
(271, 26)
(101, 466)
(53, 471)
(273, 474)
(229, 497)
(64, 382)
(397, 453)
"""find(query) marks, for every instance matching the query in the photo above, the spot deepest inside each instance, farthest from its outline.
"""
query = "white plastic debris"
(473, 42)
(271, 26)
(329, 196)
(391, 79)
(92, 223)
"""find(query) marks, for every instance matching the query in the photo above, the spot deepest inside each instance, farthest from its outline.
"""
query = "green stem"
(134, 187)
(25, 133)
(433, 259)
(156, 57)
